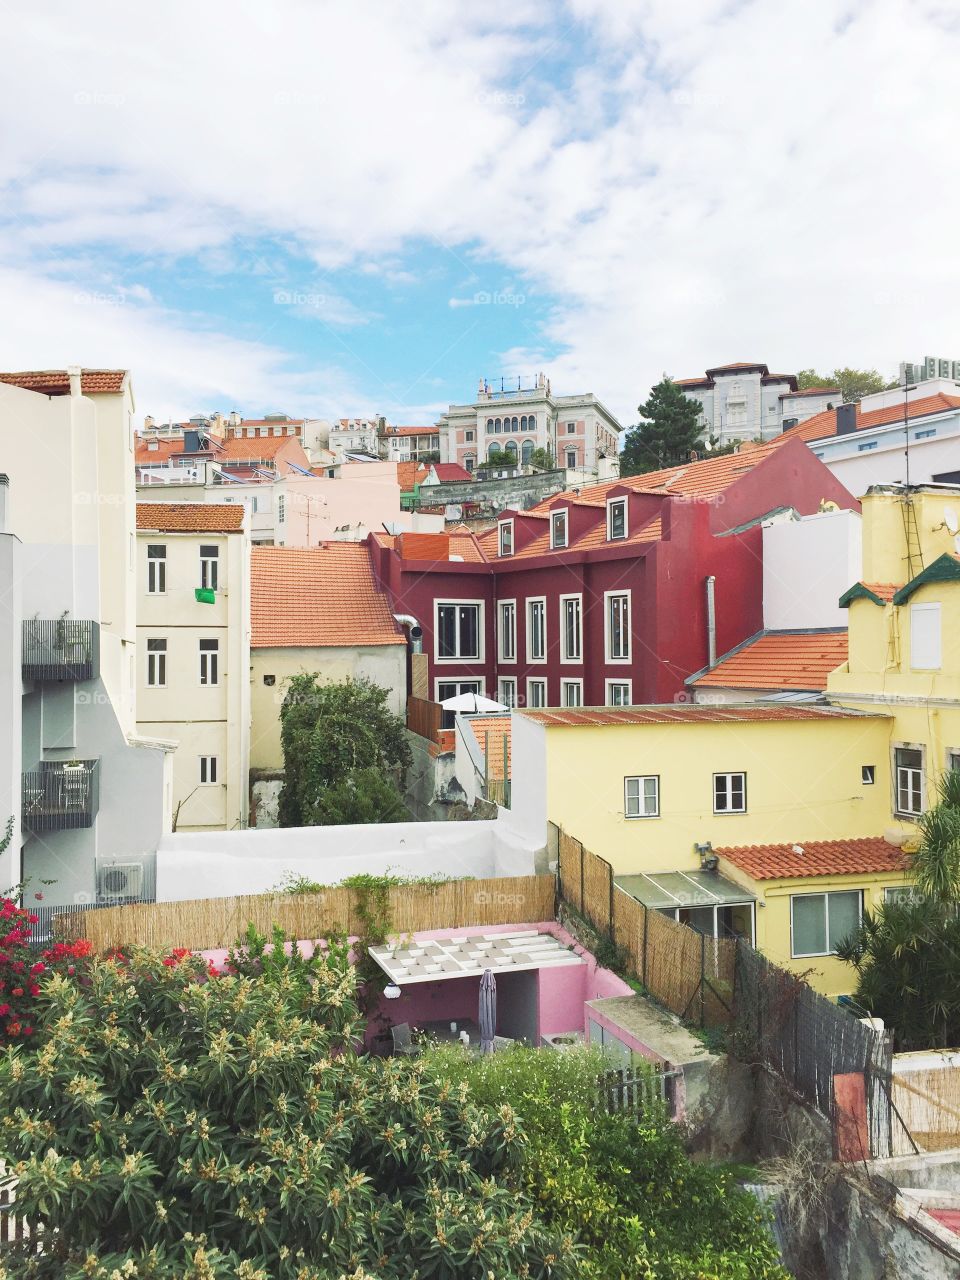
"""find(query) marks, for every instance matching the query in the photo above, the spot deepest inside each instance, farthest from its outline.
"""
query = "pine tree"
(669, 431)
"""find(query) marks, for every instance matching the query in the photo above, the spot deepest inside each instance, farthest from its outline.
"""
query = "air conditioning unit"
(119, 881)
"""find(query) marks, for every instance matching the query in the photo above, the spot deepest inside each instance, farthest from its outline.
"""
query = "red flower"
(71, 970)
(39, 967)
(34, 989)
(17, 991)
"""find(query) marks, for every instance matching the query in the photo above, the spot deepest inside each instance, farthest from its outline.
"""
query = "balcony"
(61, 649)
(61, 797)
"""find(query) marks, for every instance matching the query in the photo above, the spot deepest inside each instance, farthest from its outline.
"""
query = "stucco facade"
(747, 402)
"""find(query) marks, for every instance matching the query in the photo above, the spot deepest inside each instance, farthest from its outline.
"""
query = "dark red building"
(611, 595)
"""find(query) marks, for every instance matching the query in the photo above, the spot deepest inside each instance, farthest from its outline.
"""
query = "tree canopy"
(669, 431)
(345, 754)
(853, 383)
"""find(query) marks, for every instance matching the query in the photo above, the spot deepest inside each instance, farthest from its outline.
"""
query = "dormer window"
(506, 538)
(616, 519)
(558, 529)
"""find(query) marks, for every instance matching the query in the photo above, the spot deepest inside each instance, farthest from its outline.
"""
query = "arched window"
(523, 423)
(496, 425)
(516, 424)
(526, 451)
(493, 450)
(511, 447)
(489, 424)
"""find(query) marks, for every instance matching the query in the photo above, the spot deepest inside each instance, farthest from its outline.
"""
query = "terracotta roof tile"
(687, 713)
(407, 476)
(156, 451)
(317, 597)
(451, 471)
(860, 856)
(56, 382)
(493, 730)
(412, 431)
(823, 425)
(779, 660)
(190, 517)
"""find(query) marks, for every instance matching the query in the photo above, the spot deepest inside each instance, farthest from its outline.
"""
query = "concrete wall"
(11, 686)
(807, 565)
(516, 491)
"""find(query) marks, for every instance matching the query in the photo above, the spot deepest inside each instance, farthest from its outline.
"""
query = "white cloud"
(694, 183)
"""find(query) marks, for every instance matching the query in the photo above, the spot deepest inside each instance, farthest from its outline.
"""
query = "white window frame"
(208, 563)
(529, 629)
(160, 564)
(930, 645)
(157, 663)
(209, 766)
(624, 684)
(562, 516)
(566, 684)
(729, 775)
(608, 598)
(565, 656)
(616, 502)
(826, 894)
(436, 632)
(507, 690)
(505, 527)
(899, 769)
(208, 666)
(641, 778)
(280, 509)
(537, 680)
(503, 607)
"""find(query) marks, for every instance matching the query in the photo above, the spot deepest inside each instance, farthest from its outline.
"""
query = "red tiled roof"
(56, 382)
(885, 590)
(190, 517)
(317, 597)
(810, 391)
(449, 471)
(496, 728)
(823, 425)
(407, 476)
(434, 546)
(412, 431)
(158, 450)
(686, 713)
(858, 856)
(779, 660)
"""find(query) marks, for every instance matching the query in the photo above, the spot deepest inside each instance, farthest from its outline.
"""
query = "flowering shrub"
(21, 969)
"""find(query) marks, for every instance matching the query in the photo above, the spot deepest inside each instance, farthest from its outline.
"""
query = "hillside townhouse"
(745, 401)
(311, 432)
(408, 444)
(193, 632)
(608, 596)
(89, 798)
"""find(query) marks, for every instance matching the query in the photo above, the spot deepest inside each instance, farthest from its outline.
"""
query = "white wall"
(807, 565)
(858, 468)
(214, 864)
(527, 814)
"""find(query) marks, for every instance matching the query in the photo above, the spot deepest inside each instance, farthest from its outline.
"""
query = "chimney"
(846, 419)
(191, 441)
(234, 418)
(4, 500)
(76, 381)
(789, 423)
(149, 422)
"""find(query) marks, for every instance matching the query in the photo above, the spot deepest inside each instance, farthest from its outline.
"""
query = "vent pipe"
(711, 585)
(416, 631)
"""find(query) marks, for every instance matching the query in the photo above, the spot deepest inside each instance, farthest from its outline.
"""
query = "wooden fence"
(424, 718)
(637, 1090)
(218, 922)
(13, 1230)
(691, 974)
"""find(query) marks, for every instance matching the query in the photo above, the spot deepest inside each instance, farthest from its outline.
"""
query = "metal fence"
(60, 649)
(61, 797)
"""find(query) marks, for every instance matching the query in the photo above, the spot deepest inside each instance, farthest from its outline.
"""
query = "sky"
(347, 209)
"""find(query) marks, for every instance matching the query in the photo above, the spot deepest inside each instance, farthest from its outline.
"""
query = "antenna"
(907, 388)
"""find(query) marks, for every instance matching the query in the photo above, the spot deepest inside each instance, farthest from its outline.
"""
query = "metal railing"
(60, 649)
(61, 797)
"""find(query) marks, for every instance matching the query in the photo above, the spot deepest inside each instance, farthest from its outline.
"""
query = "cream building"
(89, 798)
(193, 626)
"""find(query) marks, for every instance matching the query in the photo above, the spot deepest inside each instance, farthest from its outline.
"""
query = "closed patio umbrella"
(488, 1011)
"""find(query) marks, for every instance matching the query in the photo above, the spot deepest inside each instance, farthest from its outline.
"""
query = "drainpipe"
(711, 621)
(416, 631)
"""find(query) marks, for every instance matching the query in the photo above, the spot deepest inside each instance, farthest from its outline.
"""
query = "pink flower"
(17, 991)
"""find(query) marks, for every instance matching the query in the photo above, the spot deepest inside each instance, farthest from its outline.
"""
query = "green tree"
(853, 383)
(345, 754)
(542, 458)
(907, 954)
(169, 1127)
(670, 430)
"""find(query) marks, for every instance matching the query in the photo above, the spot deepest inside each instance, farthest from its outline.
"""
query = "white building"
(578, 431)
(193, 632)
(89, 799)
(747, 402)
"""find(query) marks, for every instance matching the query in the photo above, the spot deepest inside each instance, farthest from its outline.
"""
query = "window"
(617, 519)
(507, 691)
(953, 760)
(156, 570)
(819, 921)
(571, 428)
(511, 448)
(868, 774)
(469, 462)
(489, 424)
(452, 689)
(468, 437)
(208, 567)
(507, 631)
(870, 444)
(157, 663)
(901, 893)
(269, 681)
(619, 693)
(571, 629)
(558, 529)
(458, 632)
(571, 458)
(526, 451)
(908, 763)
(208, 770)
(571, 693)
(209, 661)
(536, 693)
(925, 435)
(641, 797)
(617, 625)
(506, 537)
(925, 637)
(537, 630)
(729, 793)
(280, 506)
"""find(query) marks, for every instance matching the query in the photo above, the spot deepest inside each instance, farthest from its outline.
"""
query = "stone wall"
(525, 491)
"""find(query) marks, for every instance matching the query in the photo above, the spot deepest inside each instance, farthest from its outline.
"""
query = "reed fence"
(218, 922)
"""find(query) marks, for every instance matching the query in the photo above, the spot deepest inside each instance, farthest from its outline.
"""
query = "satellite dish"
(950, 520)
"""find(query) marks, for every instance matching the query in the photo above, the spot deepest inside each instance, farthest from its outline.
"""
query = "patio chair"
(403, 1041)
